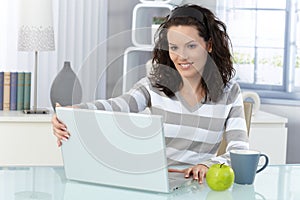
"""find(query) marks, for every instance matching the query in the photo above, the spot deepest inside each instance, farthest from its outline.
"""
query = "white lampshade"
(35, 26)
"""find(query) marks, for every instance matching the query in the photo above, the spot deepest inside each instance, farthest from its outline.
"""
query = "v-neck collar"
(187, 105)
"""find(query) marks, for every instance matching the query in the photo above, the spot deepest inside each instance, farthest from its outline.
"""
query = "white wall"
(119, 38)
(210, 4)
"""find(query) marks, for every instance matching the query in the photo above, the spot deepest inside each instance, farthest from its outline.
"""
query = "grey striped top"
(192, 134)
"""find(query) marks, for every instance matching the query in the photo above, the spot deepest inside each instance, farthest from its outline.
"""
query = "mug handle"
(266, 163)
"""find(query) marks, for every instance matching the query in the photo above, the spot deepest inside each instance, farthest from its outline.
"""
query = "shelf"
(134, 68)
(142, 21)
(19, 116)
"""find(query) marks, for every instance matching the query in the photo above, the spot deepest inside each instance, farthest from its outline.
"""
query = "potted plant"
(156, 21)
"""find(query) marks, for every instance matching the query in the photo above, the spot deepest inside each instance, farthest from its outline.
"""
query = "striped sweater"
(192, 134)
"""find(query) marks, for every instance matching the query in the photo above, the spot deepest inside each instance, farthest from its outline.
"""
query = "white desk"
(275, 182)
(28, 139)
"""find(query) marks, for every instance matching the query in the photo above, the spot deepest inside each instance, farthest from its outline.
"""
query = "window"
(266, 45)
(297, 60)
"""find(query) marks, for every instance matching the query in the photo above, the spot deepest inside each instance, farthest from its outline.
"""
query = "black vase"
(66, 89)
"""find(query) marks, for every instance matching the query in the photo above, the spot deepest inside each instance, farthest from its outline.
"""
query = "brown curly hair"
(218, 69)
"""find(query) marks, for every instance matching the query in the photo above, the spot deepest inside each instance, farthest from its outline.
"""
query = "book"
(20, 91)
(27, 87)
(6, 91)
(1, 89)
(13, 90)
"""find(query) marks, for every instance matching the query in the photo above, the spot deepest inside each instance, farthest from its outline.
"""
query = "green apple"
(219, 177)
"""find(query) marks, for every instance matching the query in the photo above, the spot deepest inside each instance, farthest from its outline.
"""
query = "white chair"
(248, 114)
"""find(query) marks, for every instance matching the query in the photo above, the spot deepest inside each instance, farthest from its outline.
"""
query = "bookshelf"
(135, 57)
(134, 68)
(142, 16)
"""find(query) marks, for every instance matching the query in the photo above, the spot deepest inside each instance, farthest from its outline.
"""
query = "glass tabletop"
(50, 183)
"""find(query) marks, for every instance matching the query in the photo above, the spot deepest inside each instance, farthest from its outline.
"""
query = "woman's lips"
(185, 65)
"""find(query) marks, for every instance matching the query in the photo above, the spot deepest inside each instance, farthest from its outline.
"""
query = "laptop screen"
(121, 149)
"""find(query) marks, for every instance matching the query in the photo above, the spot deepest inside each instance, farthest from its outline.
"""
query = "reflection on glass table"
(275, 182)
(33, 193)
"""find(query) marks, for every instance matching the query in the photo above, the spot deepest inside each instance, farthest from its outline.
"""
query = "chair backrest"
(248, 114)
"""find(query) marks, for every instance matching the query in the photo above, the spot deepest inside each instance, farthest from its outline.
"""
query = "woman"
(190, 86)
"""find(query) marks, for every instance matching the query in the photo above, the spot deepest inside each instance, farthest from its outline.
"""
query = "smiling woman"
(190, 86)
(187, 49)
(188, 52)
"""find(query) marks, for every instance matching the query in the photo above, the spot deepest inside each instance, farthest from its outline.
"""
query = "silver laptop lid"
(113, 148)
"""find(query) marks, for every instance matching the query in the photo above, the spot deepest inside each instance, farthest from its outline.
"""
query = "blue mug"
(244, 164)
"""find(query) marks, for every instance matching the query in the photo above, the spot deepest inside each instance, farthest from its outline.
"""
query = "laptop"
(117, 149)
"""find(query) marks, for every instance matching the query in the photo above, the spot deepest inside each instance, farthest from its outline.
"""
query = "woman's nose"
(182, 55)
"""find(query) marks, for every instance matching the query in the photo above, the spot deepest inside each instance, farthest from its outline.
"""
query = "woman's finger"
(176, 170)
(59, 143)
(188, 172)
(201, 176)
(196, 173)
(62, 135)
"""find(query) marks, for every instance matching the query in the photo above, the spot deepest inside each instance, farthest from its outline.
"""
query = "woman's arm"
(136, 100)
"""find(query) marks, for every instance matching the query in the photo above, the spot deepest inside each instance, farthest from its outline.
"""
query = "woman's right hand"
(59, 129)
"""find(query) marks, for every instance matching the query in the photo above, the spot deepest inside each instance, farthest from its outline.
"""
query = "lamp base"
(36, 111)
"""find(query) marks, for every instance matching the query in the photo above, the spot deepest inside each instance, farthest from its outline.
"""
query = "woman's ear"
(209, 46)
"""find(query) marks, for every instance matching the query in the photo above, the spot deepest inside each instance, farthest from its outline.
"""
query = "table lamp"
(35, 34)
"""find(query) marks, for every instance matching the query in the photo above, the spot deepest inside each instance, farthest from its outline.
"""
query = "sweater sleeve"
(136, 100)
(235, 128)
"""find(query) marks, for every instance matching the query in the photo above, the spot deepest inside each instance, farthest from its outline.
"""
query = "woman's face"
(187, 50)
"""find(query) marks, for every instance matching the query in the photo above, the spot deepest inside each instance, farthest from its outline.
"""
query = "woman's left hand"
(198, 172)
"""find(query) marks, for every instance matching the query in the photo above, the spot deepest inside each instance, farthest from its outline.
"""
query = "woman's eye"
(173, 48)
(192, 46)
